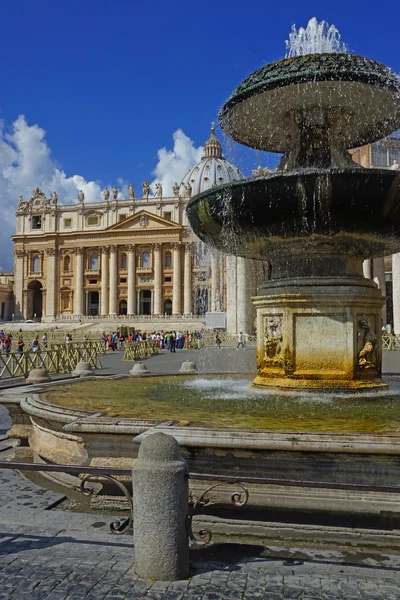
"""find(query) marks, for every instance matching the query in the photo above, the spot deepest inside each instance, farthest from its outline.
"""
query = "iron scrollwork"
(116, 526)
(238, 499)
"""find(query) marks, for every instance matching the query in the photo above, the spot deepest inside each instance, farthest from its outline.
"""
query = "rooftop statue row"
(39, 199)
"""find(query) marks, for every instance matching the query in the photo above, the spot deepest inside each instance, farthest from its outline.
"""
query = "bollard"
(160, 508)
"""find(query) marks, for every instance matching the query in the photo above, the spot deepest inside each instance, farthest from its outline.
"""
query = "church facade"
(133, 256)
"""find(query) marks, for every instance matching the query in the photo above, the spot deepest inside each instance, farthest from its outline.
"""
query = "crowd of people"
(166, 340)
(8, 344)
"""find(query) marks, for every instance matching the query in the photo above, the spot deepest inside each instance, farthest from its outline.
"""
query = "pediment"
(142, 221)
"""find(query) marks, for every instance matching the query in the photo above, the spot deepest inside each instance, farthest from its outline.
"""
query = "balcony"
(143, 270)
(92, 272)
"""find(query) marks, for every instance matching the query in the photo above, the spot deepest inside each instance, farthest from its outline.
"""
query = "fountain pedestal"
(316, 333)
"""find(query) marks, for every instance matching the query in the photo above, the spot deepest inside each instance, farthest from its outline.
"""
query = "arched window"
(123, 307)
(36, 264)
(168, 260)
(123, 261)
(94, 262)
(67, 263)
(146, 260)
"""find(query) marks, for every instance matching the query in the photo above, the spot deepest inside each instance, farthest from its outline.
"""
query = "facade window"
(94, 262)
(122, 217)
(93, 220)
(67, 264)
(168, 279)
(122, 280)
(168, 260)
(123, 261)
(67, 223)
(92, 281)
(146, 260)
(379, 156)
(168, 216)
(394, 156)
(36, 222)
(36, 264)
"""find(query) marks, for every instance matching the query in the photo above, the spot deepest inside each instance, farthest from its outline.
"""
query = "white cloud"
(26, 162)
(173, 164)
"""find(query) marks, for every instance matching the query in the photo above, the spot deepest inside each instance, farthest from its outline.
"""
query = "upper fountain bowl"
(338, 100)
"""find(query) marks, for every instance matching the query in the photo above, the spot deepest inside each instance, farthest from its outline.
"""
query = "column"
(379, 278)
(176, 291)
(51, 280)
(113, 280)
(214, 281)
(78, 305)
(231, 300)
(131, 280)
(396, 292)
(157, 297)
(367, 268)
(187, 281)
(104, 281)
(19, 283)
(242, 296)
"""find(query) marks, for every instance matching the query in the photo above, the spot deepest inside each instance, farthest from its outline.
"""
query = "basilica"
(138, 257)
(133, 256)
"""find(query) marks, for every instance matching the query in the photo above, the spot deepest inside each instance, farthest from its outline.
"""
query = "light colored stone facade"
(133, 256)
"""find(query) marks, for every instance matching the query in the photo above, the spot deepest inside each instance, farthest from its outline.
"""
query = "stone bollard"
(160, 508)
(83, 369)
(39, 375)
(139, 370)
(188, 366)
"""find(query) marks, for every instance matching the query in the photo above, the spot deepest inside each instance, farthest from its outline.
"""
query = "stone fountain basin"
(61, 434)
(358, 97)
(354, 211)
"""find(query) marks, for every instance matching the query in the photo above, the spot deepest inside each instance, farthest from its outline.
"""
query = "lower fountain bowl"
(354, 211)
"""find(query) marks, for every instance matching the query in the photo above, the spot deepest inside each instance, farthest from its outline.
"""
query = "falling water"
(317, 37)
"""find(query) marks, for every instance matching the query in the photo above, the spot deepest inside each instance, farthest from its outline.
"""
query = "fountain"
(318, 318)
(318, 217)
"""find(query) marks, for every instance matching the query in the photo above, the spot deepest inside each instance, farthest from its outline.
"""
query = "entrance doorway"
(123, 307)
(145, 302)
(168, 307)
(93, 304)
(35, 300)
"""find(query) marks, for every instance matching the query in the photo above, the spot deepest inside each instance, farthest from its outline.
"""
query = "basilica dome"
(212, 170)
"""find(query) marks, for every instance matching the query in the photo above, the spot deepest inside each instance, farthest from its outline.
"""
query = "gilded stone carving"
(273, 341)
(367, 355)
(113, 249)
(50, 251)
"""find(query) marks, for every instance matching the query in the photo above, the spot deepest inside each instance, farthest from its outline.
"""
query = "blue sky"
(108, 83)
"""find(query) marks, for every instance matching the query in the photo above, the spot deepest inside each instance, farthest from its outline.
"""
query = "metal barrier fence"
(239, 498)
(391, 342)
(62, 359)
(138, 350)
(227, 339)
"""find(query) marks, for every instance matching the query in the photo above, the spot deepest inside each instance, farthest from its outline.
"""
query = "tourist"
(44, 340)
(218, 342)
(240, 341)
(172, 342)
(7, 344)
(20, 345)
(35, 344)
